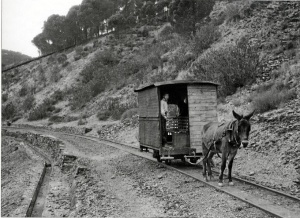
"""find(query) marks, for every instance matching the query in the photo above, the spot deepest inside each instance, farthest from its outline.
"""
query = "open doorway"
(177, 117)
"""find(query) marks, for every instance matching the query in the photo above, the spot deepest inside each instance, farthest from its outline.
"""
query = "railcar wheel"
(193, 160)
(141, 148)
(168, 162)
(158, 159)
(183, 159)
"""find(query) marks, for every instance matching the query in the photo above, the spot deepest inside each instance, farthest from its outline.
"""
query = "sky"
(22, 20)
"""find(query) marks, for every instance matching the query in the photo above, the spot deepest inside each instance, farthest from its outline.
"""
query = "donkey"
(225, 138)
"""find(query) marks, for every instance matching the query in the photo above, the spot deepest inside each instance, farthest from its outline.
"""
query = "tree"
(92, 14)
(9, 111)
(73, 28)
(117, 21)
(55, 31)
(160, 8)
(187, 13)
(148, 11)
(41, 42)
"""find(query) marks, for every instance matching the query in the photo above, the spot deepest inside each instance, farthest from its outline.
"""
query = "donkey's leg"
(223, 166)
(230, 159)
(205, 163)
(205, 150)
(209, 159)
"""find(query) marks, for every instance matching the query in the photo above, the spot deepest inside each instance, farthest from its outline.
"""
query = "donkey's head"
(242, 128)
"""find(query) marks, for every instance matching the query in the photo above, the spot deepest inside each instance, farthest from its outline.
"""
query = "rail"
(274, 202)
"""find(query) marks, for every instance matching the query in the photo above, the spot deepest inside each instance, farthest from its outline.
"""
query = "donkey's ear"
(247, 117)
(237, 116)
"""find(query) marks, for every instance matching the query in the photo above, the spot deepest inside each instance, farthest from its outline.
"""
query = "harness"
(230, 128)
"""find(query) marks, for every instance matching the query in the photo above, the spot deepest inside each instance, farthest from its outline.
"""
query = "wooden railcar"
(184, 133)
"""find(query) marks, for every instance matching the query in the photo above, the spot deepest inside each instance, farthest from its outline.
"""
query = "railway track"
(276, 203)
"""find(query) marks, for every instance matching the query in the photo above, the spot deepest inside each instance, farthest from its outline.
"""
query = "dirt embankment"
(24, 170)
(20, 172)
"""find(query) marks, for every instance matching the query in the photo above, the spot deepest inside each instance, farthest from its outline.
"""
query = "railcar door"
(149, 119)
(177, 125)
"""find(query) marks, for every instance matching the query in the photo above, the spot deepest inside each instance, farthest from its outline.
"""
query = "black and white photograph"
(150, 108)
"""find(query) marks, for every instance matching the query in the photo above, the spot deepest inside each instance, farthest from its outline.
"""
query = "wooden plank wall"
(202, 101)
(148, 103)
(149, 133)
(149, 129)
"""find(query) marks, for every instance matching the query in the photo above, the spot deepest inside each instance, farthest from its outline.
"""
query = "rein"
(234, 132)
(231, 126)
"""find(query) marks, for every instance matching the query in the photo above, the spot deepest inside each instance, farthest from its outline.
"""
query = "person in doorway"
(164, 113)
(183, 108)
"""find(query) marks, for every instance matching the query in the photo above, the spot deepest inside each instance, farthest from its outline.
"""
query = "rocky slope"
(273, 26)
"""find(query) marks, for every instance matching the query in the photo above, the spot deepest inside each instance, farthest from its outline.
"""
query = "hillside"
(12, 57)
(251, 48)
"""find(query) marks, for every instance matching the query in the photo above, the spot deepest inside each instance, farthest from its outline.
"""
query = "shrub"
(57, 96)
(69, 68)
(264, 87)
(15, 118)
(70, 118)
(129, 113)
(96, 76)
(51, 59)
(57, 110)
(56, 119)
(41, 76)
(84, 53)
(290, 53)
(166, 33)
(61, 58)
(273, 93)
(112, 108)
(4, 97)
(103, 115)
(96, 43)
(232, 67)
(87, 48)
(180, 60)
(272, 99)
(79, 50)
(55, 74)
(80, 96)
(77, 57)
(96, 67)
(65, 64)
(42, 111)
(205, 36)
(236, 102)
(106, 57)
(81, 122)
(219, 19)
(28, 103)
(116, 111)
(143, 32)
(9, 111)
(232, 12)
(23, 91)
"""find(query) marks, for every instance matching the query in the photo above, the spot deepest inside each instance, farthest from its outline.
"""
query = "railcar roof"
(176, 82)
